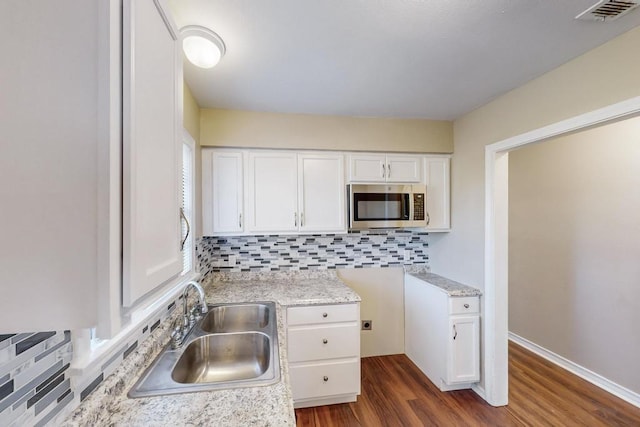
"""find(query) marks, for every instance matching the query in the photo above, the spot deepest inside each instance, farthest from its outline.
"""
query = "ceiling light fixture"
(203, 47)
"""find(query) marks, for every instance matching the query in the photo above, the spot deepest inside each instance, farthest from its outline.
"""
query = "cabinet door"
(404, 168)
(321, 192)
(272, 191)
(222, 191)
(463, 361)
(152, 84)
(438, 192)
(367, 168)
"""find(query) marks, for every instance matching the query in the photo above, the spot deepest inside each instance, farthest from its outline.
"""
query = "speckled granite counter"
(452, 288)
(255, 406)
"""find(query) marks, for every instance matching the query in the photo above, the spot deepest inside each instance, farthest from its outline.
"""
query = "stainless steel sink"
(234, 345)
(235, 318)
(223, 357)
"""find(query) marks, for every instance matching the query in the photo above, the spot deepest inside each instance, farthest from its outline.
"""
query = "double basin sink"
(233, 345)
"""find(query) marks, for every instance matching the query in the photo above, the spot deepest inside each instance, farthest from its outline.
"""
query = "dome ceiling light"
(203, 47)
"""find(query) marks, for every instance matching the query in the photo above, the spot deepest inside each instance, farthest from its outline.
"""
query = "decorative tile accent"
(358, 249)
(35, 385)
(38, 374)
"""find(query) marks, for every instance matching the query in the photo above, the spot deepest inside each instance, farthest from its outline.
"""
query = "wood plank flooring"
(396, 393)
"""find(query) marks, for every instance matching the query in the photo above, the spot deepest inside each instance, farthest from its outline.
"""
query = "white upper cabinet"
(281, 192)
(385, 168)
(404, 168)
(152, 83)
(321, 192)
(222, 191)
(272, 192)
(436, 178)
(367, 167)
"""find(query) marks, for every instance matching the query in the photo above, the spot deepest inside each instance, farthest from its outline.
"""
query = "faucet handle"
(176, 333)
(194, 315)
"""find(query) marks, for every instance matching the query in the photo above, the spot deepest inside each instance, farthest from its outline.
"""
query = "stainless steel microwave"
(386, 206)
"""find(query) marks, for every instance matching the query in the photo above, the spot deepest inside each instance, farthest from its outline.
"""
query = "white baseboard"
(584, 373)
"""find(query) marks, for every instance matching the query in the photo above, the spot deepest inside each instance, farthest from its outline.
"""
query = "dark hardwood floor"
(396, 393)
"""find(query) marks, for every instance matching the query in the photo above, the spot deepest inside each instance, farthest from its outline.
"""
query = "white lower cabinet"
(462, 349)
(442, 334)
(323, 348)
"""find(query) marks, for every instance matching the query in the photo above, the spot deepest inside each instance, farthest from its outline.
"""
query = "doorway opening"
(495, 335)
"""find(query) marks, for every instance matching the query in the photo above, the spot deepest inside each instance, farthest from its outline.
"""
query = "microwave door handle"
(409, 207)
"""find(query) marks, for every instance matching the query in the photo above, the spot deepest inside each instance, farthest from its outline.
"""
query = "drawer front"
(464, 305)
(315, 380)
(320, 314)
(323, 342)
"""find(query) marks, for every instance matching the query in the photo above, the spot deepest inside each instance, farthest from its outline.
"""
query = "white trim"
(496, 255)
(101, 350)
(188, 140)
(584, 373)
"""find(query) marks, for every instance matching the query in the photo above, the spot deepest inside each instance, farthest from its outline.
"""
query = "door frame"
(496, 250)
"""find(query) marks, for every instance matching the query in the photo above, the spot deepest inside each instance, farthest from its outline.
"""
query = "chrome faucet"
(189, 317)
(201, 302)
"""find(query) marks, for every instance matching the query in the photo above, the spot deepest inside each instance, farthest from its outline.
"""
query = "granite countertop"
(256, 406)
(450, 287)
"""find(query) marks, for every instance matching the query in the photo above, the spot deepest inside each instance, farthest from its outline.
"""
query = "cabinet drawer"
(319, 314)
(323, 342)
(325, 379)
(464, 305)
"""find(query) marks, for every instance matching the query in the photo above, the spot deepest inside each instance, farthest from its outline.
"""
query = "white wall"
(574, 242)
(52, 204)
(574, 88)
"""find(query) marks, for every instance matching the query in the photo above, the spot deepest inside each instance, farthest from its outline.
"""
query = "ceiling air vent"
(608, 10)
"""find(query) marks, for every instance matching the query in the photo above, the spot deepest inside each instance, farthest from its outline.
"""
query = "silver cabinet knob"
(324, 341)
(324, 315)
(466, 306)
(325, 378)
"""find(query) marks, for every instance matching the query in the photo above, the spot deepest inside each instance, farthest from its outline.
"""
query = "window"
(187, 204)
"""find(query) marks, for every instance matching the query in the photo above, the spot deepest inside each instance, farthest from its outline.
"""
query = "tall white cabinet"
(152, 84)
(84, 204)
(437, 179)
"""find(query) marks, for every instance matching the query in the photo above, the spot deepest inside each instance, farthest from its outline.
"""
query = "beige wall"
(382, 293)
(191, 114)
(601, 77)
(574, 242)
(191, 122)
(581, 85)
(230, 128)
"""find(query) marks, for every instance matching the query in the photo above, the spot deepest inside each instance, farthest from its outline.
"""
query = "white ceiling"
(436, 59)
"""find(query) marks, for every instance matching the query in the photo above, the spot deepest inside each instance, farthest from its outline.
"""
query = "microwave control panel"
(418, 206)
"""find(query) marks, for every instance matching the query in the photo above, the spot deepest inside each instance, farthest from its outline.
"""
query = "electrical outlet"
(407, 254)
(232, 260)
(367, 325)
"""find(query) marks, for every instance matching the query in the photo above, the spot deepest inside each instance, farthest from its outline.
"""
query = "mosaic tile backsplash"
(34, 377)
(36, 388)
(370, 248)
